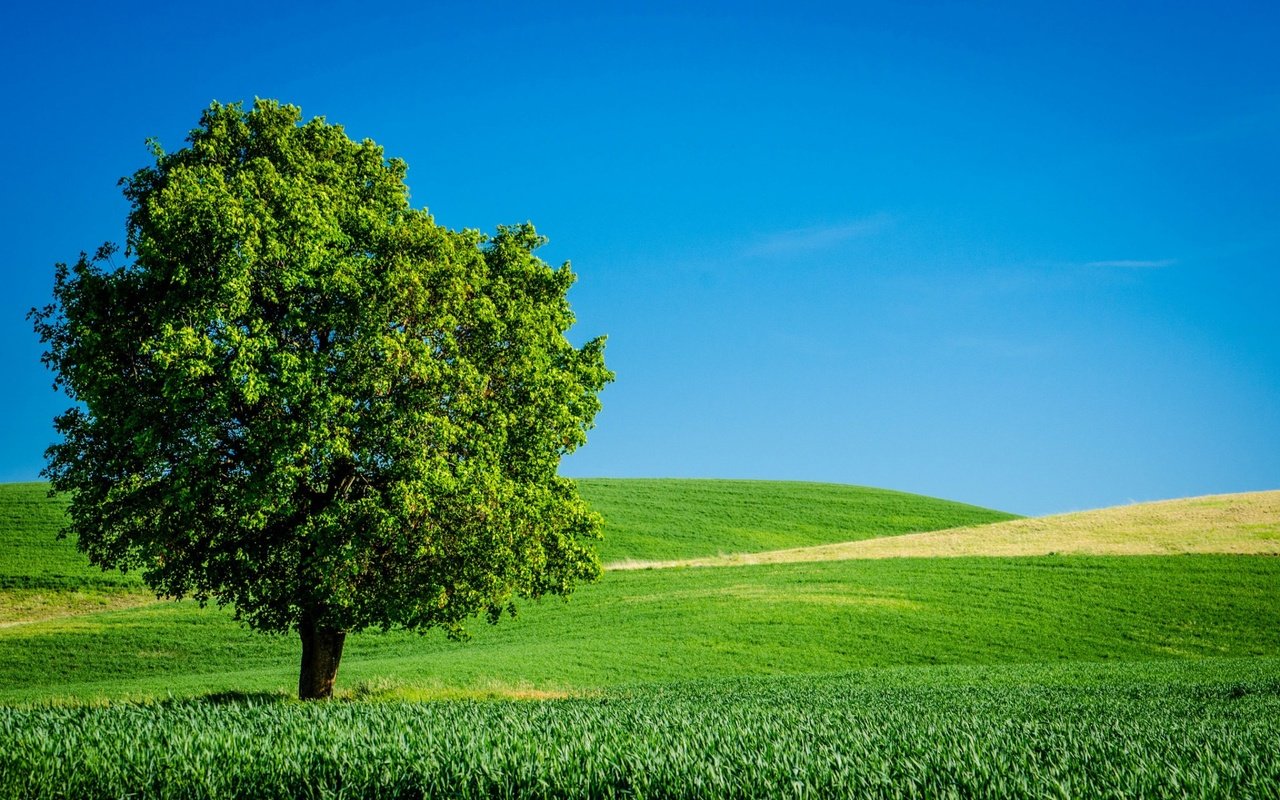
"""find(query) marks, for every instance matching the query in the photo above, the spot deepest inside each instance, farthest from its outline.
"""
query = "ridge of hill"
(674, 518)
(1242, 524)
(644, 519)
(62, 639)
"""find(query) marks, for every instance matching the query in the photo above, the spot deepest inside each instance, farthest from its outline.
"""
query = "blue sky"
(1022, 257)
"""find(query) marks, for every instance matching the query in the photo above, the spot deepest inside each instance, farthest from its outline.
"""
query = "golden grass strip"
(1247, 523)
(26, 606)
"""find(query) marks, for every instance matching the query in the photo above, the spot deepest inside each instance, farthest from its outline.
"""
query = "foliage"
(306, 400)
(793, 737)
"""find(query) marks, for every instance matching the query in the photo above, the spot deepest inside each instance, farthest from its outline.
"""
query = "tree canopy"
(303, 398)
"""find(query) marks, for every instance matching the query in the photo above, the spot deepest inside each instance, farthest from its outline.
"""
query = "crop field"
(828, 736)
(1084, 673)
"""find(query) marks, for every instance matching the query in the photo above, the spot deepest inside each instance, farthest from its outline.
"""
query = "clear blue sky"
(1022, 255)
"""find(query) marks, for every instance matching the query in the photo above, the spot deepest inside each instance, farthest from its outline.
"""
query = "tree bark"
(321, 652)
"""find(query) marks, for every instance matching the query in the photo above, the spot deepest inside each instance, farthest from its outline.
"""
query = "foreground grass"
(1153, 731)
(1243, 524)
(649, 519)
(1153, 676)
(664, 625)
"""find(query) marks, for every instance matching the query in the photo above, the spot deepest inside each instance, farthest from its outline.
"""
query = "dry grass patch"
(831, 596)
(25, 606)
(385, 689)
(1247, 524)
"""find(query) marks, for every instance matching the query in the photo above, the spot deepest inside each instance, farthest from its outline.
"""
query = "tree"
(307, 401)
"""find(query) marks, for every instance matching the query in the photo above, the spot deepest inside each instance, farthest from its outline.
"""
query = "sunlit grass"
(663, 625)
(25, 606)
(1243, 524)
(31, 554)
(1145, 730)
(972, 676)
(665, 519)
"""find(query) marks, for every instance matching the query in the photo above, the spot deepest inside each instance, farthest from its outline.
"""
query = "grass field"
(31, 555)
(662, 625)
(1241, 524)
(975, 675)
(1147, 730)
(649, 519)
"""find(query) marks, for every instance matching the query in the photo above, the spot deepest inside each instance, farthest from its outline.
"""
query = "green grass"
(663, 625)
(1155, 676)
(82, 639)
(31, 555)
(644, 519)
(658, 519)
(1151, 731)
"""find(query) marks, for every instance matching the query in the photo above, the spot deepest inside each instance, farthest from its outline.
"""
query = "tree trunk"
(321, 652)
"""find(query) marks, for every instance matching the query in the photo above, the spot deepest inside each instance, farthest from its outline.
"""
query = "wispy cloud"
(814, 238)
(1126, 263)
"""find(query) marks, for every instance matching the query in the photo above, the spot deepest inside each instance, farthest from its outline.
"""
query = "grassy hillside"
(662, 625)
(670, 519)
(46, 578)
(993, 676)
(43, 577)
(1242, 524)
(68, 631)
(644, 519)
(31, 555)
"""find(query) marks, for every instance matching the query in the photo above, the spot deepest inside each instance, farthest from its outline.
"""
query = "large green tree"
(304, 399)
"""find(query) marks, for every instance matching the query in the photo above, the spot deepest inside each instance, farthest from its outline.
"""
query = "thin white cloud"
(814, 238)
(1126, 263)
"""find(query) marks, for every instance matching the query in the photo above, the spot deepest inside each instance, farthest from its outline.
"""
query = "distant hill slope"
(1247, 523)
(31, 554)
(644, 519)
(681, 518)
(60, 639)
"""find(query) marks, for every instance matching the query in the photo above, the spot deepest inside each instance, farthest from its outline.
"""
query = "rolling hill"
(68, 631)
(682, 518)
(644, 519)
(1240, 524)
